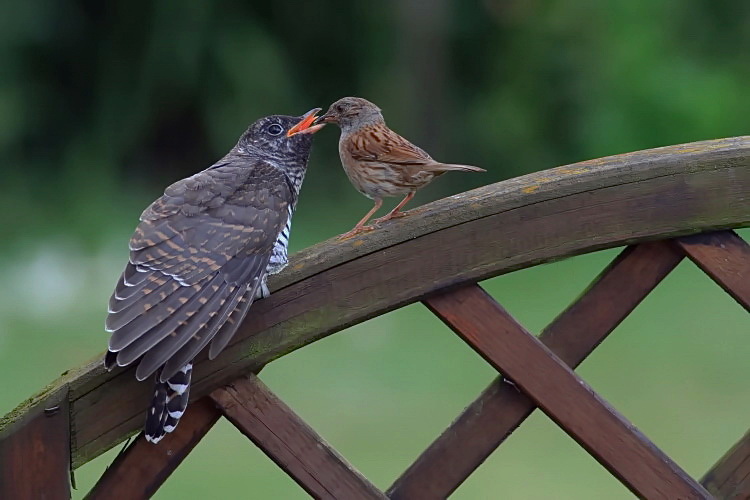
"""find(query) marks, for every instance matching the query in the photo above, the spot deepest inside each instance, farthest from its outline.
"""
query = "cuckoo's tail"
(168, 404)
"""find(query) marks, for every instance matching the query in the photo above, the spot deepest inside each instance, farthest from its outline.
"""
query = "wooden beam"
(500, 409)
(290, 442)
(562, 395)
(729, 478)
(35, 457)
(141, 469)
(725, 257)
(468, 237)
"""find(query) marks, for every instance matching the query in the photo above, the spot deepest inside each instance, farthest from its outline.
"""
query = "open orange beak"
(305, 126)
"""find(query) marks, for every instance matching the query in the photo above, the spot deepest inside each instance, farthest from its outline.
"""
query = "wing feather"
(156, 285)
(157, 355)
(198, 342)
(132, 276)
(139, 318)
(390, 148)
(141, 343)
(224, 335)
(196, 259)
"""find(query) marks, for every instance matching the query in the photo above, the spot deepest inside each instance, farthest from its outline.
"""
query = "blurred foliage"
(102, 104)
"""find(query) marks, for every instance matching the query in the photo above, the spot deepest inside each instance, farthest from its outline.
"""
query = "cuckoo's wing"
(193, 257)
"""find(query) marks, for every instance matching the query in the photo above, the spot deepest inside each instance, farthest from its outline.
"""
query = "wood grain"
(572, 335)
(476, 235)
(35, 457)
(725, 257)
(562, 395)
(143, 467)
(290, 442)
(729, 478)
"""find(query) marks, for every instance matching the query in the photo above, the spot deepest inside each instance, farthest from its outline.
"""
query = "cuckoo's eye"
(274, 129)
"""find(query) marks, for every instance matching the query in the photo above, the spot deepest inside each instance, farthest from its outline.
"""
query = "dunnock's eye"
(274, 129)
(340, 108)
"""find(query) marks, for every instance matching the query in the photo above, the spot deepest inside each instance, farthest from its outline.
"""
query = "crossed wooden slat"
(541, 371)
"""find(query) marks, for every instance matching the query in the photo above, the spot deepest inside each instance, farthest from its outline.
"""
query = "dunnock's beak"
(305, 126)
(326, 118)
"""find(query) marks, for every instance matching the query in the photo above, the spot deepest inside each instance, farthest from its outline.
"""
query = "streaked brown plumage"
(379, 162)
(200, 256)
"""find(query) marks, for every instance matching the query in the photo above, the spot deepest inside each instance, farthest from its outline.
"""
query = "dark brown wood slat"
(290, 442)
(35, 457)
(141, 469)
(725, 257)
(730, 476)
(500, 409)
(562, 395)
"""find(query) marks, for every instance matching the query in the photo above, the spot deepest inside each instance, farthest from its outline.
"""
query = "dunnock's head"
(351, 113)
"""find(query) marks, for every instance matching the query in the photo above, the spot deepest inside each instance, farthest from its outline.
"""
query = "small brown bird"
(379, 162)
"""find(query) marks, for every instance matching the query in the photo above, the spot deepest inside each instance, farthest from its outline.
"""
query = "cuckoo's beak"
(305, 126)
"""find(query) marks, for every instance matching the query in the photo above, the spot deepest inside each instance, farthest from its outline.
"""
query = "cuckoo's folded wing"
(193, 257)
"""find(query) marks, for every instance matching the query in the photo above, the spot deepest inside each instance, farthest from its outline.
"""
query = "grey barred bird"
(200, 256)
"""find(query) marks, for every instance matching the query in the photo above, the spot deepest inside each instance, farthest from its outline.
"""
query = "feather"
(168, 404)
(132, 276)
(229, 328)
(178, 334)
(223, 336)
(156, 286)
(134, 343)
(198, 342)
(446, 167)
(134, 321)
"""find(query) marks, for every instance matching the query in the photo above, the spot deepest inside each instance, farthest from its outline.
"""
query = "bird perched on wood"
(200, 256)
(379, 162)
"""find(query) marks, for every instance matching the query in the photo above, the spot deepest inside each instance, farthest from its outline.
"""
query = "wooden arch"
(662, 204)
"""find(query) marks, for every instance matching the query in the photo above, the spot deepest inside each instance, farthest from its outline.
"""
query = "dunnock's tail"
(446, 167)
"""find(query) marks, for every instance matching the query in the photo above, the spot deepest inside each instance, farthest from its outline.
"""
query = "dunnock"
(379, 162)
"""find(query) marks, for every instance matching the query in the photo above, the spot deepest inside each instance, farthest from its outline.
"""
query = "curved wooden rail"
(625, 199)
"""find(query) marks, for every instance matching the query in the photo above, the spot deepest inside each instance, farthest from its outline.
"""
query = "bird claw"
(388, 217)
(262, 292)
(355, 232)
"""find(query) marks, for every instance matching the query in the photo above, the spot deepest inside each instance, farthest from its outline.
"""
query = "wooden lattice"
(649, 200)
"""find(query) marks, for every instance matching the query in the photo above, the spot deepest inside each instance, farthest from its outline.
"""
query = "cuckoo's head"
(284, 138)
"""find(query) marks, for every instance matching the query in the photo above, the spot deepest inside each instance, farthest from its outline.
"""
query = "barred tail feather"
(168, 404)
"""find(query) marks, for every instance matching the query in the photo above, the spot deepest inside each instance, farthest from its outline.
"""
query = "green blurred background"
(102, 104)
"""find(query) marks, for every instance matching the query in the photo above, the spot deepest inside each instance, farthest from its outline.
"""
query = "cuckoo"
(200, 256)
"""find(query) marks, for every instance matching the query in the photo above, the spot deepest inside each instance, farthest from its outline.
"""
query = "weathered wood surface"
(142, 468)
(290, 442)
(729, 478)
(513, 224)
(725, 257)
(35, 458)
(572, 335)
(562, 395)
